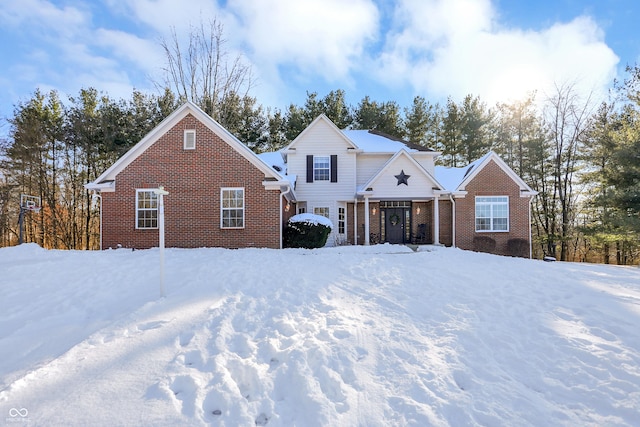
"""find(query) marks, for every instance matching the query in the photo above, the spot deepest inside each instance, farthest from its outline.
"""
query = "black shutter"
(309, 168)
(334, 168)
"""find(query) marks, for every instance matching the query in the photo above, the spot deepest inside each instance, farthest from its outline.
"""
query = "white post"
(436, 220)
(355, 221)
(366, 220)
(160, 192)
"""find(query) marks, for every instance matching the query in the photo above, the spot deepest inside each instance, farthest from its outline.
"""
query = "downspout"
(453, 220)
(281, 197)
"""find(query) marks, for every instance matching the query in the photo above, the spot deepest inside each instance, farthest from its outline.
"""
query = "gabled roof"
(106, 180)
(320, 119)
(401, 153)
(456, 179)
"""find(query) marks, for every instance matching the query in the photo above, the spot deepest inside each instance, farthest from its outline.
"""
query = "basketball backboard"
(30, 203)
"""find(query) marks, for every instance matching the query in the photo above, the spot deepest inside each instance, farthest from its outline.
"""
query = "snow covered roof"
(370, 141)
(455, 179)
(275, 160)
(451, 178)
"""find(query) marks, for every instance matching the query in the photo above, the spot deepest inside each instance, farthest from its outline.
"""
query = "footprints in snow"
(249, 355)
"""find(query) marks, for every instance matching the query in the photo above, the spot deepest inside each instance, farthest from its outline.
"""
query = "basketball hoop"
(30, 203)
(27, 204)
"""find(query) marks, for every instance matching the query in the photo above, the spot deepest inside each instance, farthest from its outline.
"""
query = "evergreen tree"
(383, 117)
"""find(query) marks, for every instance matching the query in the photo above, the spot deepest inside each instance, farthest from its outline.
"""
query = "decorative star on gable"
(403, 178)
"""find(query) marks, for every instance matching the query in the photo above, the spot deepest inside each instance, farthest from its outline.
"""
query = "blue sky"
(391, 50)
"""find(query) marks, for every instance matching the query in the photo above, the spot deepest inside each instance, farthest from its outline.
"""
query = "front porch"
(402, 222)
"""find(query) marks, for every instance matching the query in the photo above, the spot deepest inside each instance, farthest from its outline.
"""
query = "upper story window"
(492, 213)
(146, 209)
(321, 168)
(232, 207)
(190, 139)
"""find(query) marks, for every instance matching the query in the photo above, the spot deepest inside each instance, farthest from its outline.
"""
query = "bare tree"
(202, 70)
(567, 117)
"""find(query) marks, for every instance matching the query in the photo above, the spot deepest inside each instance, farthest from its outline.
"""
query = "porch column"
(366, 220)
(436, 221)
(355, 221)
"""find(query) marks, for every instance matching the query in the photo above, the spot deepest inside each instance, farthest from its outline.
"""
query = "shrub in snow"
(484, 244)
(307, 231)
(518, 247)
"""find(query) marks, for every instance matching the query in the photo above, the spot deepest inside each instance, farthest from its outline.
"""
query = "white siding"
(427, 162)
(368, 166)
(323, 140)
(386, 185)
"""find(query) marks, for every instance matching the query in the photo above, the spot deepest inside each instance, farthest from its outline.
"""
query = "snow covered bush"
(307, 231)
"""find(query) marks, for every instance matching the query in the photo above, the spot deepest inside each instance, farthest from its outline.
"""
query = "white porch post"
(355, 221)
(366, 220)
(436, 220)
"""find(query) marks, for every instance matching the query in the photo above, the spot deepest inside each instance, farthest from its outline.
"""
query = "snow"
(344, 336)
(372, 143)
(275, 161)
(312, 219)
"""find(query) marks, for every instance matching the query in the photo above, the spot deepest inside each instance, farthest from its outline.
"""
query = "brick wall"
(492, 181)
(192, 209)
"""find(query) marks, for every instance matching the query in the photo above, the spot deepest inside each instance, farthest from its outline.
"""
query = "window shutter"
(309, 168)
(334, 168)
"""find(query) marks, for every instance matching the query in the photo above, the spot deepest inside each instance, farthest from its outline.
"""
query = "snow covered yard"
(346, 336)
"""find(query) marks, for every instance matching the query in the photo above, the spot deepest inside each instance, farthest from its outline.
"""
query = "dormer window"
(190, 139)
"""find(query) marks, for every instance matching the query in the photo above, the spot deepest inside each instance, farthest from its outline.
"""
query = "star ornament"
(403, 178)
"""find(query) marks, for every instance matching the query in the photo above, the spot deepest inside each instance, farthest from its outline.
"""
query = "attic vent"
(278, 168)
(190, 139)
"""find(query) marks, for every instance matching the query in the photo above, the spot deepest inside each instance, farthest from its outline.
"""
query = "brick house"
(220, 193)
(373, 188)
(376, 188)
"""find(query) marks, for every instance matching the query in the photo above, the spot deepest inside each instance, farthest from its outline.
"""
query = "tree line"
(583, 160)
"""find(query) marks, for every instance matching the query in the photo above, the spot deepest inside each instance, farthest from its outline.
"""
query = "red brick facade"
(492, 181)
(194, 179)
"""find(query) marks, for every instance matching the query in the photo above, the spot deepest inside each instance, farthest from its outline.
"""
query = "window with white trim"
(146, 209)
(232, 207)
(341, 219)
(321, 168)
(322, 211)
(190, 139)
(492, 213)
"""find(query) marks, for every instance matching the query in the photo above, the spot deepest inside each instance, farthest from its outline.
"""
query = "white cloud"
(43, 16)
(143, 54)
(456, 47)
(323, 37)
(162, 15)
